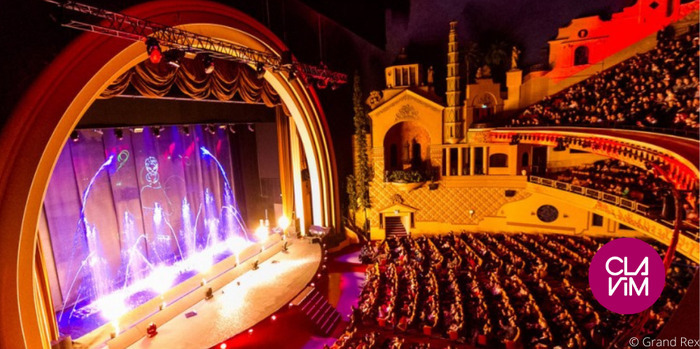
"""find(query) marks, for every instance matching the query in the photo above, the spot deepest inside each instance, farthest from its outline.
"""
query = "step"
(321, 312)
(329, 324)
(312, 302)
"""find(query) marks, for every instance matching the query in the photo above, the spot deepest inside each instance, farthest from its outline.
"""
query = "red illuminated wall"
(604, 38)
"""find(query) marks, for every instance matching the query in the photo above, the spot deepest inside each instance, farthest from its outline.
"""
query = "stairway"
(394, 227)
(317, 309)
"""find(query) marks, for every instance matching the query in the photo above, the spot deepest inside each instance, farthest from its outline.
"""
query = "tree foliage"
(363, 171)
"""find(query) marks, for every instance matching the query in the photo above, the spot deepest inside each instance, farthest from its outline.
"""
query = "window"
(525, 161)
(465, 158)
(597, 220)
(624, 227)
(498, 160)
(581, 55)
(478, 160)
(393, 157)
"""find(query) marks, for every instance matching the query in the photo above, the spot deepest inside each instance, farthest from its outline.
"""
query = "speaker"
(510, 193)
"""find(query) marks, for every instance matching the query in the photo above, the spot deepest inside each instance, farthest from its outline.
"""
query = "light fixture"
(283, 222)
(274, 317)
(156, 131)
(75, 136)
(250, 127)
(173, 57)
(119, 133)
(152, 330)
(292, 75)
(209, 294)
(260, 70)
(211, 129)
(186, 130)
(208, 63)
(98, 131)
(153, 49)
(232, 128)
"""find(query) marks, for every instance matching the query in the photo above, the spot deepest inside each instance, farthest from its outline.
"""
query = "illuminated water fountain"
(150, 267)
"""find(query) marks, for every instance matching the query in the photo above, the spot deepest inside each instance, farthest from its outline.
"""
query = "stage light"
(152, 330)
(222, 346)
(335, 87)
(283, 222)
(186, 130)
(471, 213)
(209, 294)
(173, 57)
(156, 131)
(153, 49)
(75, 136)
(250, 331)
(119, 133)
(312, 284)
(274, 317)
(292, 75)
(260, 70)
(211, 129)
(232, 128)
(208, 63)
(98, 131)
(250, 127)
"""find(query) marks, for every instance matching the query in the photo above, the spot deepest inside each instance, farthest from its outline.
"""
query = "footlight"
(209, 294)
(152, 330)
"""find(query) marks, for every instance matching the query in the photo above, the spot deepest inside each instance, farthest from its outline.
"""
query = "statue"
(430, 76)
(483, 72)
(515, 56)
(479, 74)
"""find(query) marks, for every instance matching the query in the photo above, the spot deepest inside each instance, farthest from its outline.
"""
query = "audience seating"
(493, 290)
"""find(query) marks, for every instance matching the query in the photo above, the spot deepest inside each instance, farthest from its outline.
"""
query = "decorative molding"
(406, 112)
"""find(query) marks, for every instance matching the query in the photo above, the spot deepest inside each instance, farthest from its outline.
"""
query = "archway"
(406, 147)
(50, 109)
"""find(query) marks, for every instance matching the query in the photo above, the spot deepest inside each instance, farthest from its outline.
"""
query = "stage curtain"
(149, 199)
(228, 81)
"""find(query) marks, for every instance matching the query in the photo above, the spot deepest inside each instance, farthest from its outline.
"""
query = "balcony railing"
(689, 230)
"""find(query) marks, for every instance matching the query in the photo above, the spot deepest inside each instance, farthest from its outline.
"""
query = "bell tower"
(453, 124)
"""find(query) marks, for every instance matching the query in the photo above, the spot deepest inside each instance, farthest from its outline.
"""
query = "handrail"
(619, 201)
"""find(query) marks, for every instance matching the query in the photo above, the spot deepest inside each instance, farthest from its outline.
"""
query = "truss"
(96, 20)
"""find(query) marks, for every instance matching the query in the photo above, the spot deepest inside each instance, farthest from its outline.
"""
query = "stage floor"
(242, 303)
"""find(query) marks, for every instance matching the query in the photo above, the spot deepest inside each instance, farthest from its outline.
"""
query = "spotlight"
(312, 284)
(260, 70)
(156, 131)
(208, 63)
(152, 330)
(75, 136)
(173, 57)
(232, 128)
(250, 127)
(274, 317)
(211, 129)
(119, 133)
(98, 131)
(186, 130)
(250, 331)
(283, 222)
(153, 50)
(560, 145)
(222, 346)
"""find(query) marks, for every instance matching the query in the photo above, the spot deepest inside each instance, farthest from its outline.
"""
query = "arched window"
(581, 55)
(498, 160)
(525, 160)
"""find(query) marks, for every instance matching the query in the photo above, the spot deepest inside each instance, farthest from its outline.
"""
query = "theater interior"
(332, 174)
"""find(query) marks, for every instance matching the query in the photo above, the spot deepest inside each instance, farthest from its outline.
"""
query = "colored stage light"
(152, 330)
(153, 49)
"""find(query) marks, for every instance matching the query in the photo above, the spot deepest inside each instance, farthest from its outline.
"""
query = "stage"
(242, 297)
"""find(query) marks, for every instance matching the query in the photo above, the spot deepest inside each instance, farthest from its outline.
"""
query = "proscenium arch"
(42, 121)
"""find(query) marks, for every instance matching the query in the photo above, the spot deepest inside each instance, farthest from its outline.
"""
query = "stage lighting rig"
(100, 21)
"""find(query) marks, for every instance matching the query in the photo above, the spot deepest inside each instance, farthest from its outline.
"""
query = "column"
(459, 161)
(471, 160)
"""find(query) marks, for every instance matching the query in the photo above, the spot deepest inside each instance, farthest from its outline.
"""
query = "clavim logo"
(628, 283)
(626, 276)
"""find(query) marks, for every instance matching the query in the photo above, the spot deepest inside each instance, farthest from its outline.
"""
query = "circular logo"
(626, 276)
